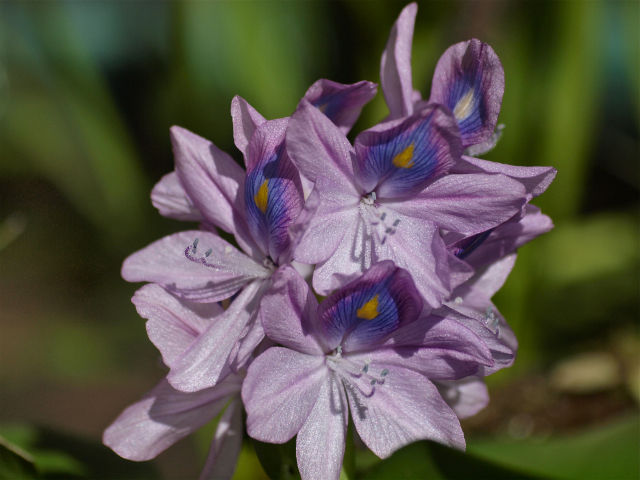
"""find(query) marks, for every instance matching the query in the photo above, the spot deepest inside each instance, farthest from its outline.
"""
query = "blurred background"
(88, 91)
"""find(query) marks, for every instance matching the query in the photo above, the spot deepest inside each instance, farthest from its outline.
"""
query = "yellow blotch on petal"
(464, 107)
(369, 310)
(405, 158)
(262, 197)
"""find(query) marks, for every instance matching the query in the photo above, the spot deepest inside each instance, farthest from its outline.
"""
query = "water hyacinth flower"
(469, 81)
(256, 207)
(471, 306)
(492, 256)
(389, 196)
(201, 266)
(409, 236)
(165, 415)
(368, 349)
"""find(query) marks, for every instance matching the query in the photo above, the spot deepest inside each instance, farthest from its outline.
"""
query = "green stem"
(348, 471)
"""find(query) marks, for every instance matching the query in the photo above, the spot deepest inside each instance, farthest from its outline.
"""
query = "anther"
(190, 253)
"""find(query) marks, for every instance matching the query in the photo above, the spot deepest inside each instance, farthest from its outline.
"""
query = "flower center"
(370, 199)
(269, 264)
(378, 219)
(356, 376)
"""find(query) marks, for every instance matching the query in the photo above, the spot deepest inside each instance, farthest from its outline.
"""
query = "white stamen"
(370, 199)
(354, 374)
(492, 320)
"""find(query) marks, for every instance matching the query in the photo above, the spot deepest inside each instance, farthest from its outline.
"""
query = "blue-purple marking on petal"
(369, 309)
(465, 247)
(469, 80)
(273, 199)
(342, 103)
(465, 103)
(403, 159)
(331, 104)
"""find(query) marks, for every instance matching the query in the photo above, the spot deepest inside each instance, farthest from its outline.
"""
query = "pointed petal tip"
(176, 132)
(246, 120)
(112, 438)
(126, 270)
(395, 64)
(410, 9)
(183, 140)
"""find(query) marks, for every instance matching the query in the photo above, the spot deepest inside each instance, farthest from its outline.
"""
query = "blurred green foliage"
(88, 91)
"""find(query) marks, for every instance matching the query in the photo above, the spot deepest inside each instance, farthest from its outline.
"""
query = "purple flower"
(200, 266)
(257, 207)
(469, 81)
(165, 415)
(367, 348)
(471, 306)
(388, 197)
(492, 255)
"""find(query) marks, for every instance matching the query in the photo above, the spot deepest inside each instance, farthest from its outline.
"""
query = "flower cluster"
(405, 233)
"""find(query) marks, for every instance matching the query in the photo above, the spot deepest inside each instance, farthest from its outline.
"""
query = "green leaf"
(248, 465)
(610, 451)
(349, 461)
(15, 463)
(58, 455)
(278, 461)
(432, 461)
